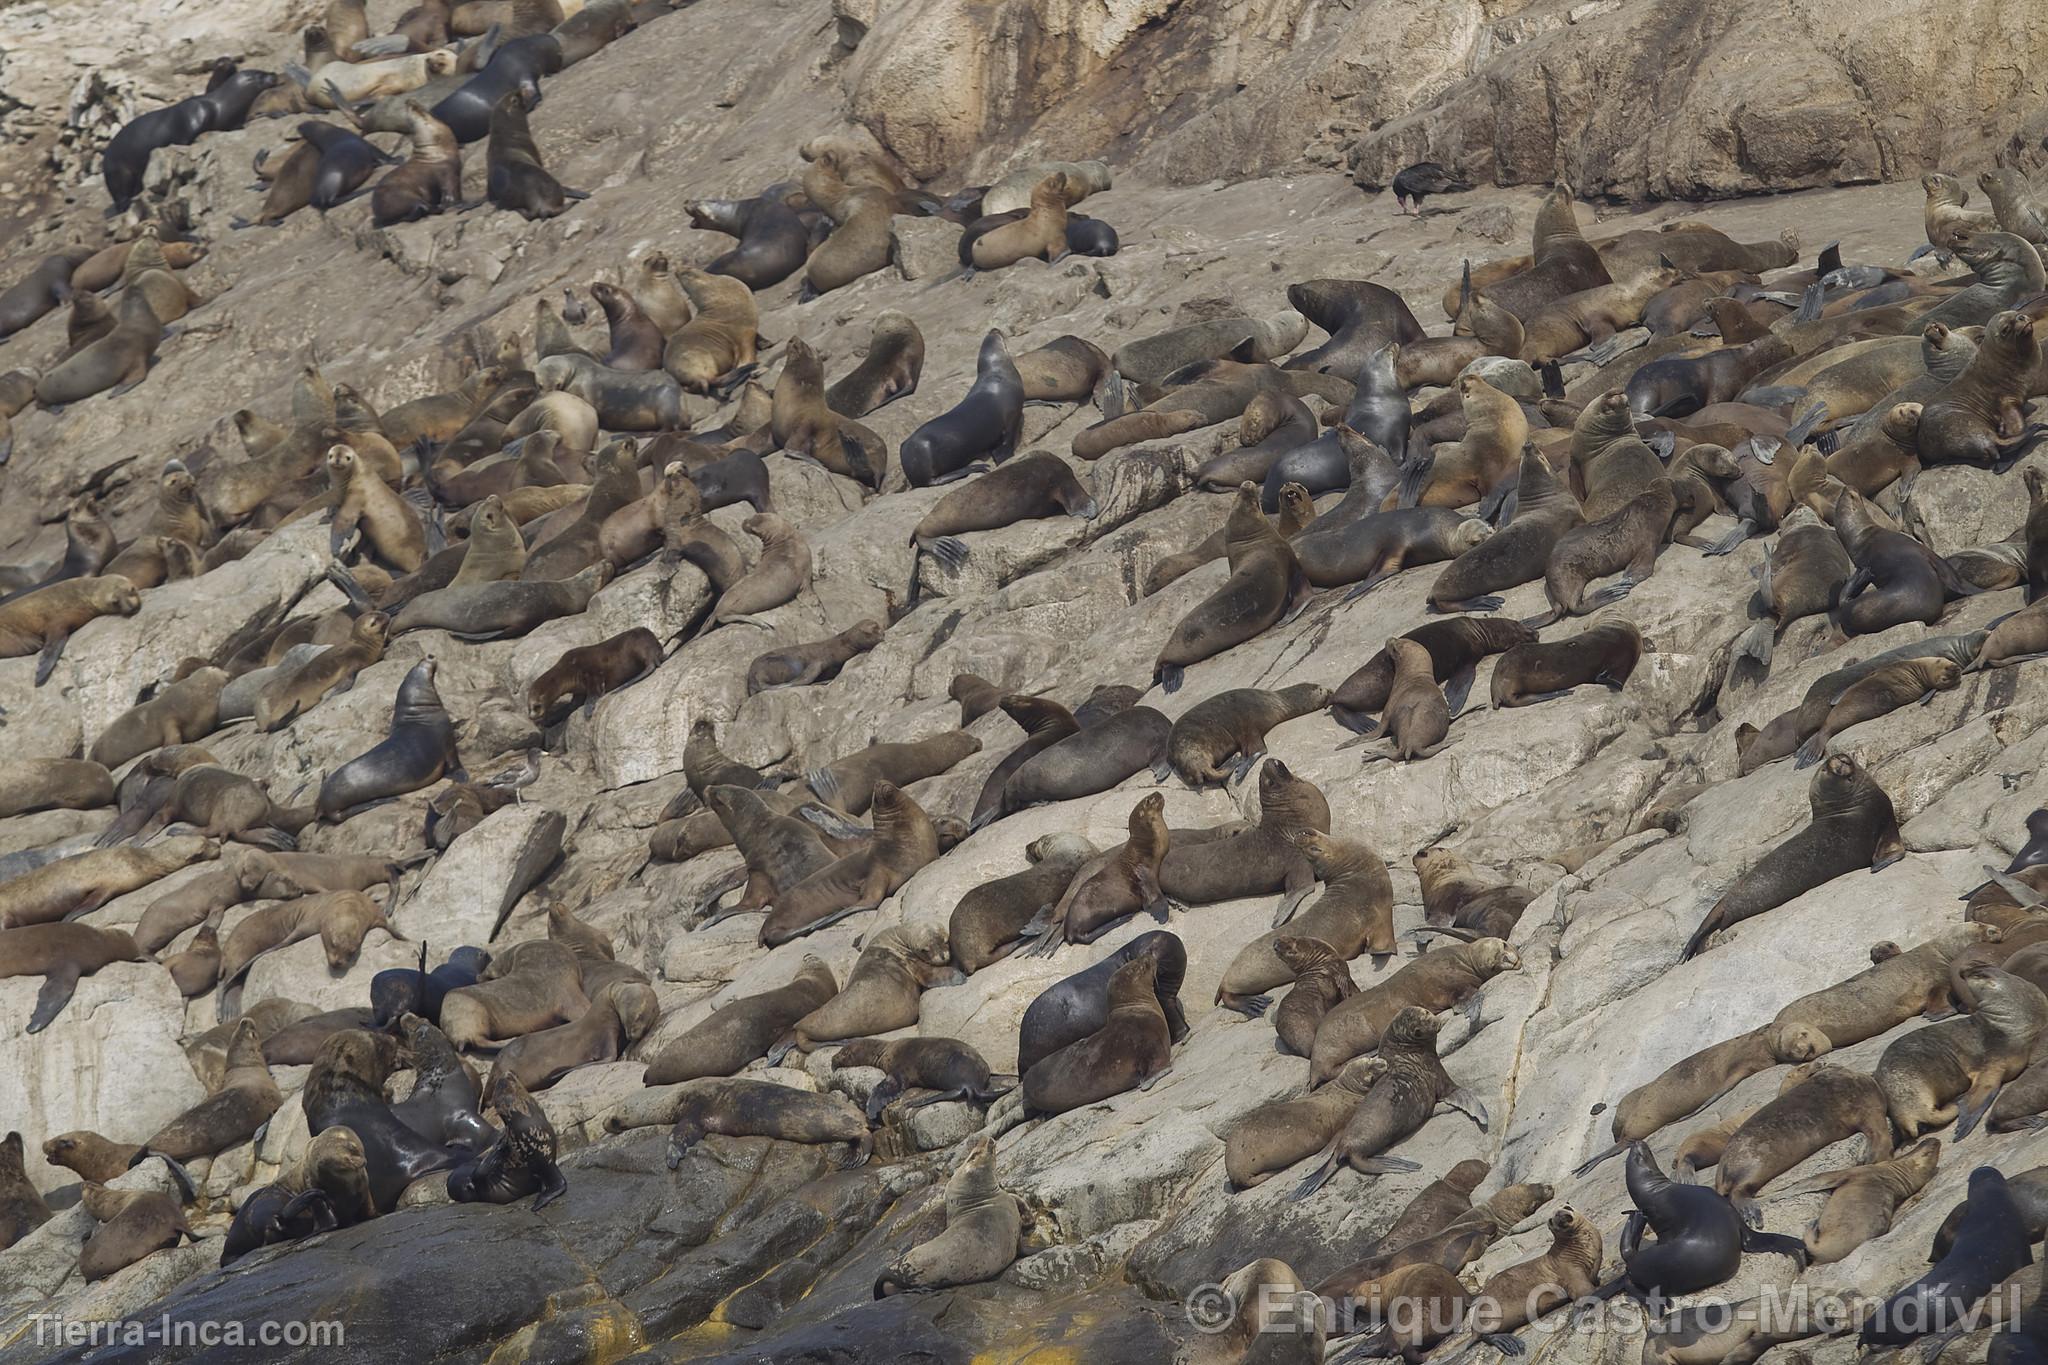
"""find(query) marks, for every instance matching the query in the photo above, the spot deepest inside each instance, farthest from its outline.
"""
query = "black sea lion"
(1700, 1236)
(418, 752)
(1990, 1244)
(984, 423)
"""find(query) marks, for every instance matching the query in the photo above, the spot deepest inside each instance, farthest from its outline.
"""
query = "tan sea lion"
(882, 990)
(744, 1029)
(1262, 581)
(904, 841)
(619, 1016)
(41, 622)
(290, 694)
(61, 954)
(1267, 1141)
(1864, 1200)
(1114, 885)
(83, 882)
(849, 783)
(1954, 1069)
(37, 784)
(246, 1099)
(1455, 896)
(984, 1226)
(1398, 1104)
(1819, 1104)
(1416, 718)
(1354, 915)
(132, 1225)
(529, 987)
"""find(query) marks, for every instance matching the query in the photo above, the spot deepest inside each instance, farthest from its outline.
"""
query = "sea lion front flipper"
(836, 823)
(553, 1184)
(1505, 1344)
(1385, 1165)
(53, 650)
(825, 783)
(1727, 544)
(58, 986)
(1972, 1107)
(1467, 1103)
(1161, 1074)
(1814, 1184)
(1289, 903)
(1891, 846)
(1812, 751)
(1773, 1243)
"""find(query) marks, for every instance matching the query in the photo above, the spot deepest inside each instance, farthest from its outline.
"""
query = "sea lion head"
(638, 1008)
(1799, 1043)
(440, 62)
(1944, 189)
(370, 627)
(341, 464)
(1471, 531)
(1301, 953)
(859, 1052)
(1414, 1026)
(1152, 808)
(1943, 674)
(2011, 330)
(1360, 1074)
(116, 596)
(1492, 955)
(1132, 983)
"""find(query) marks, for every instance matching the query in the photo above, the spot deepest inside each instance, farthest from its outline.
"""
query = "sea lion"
(881, 992)
(1238, 862)
(1683, 1088)
(398, 991)
(418, 752)
(186, 710)
(1877, 694)
(1067, 369)
(1133, 1047)
(1864, 1200)
(1360, 317)
(985, 423)
(131, 1226)
(584, 674)
(326, 1188)
(1962, 423)
(1438, 980)
(1014, 190)
(743, 1029)
(82, 882)
(1538, 671)
(987, 923)
(430, 179)
(1374, 548)
(500, 610)
(1562, 261)
(363, 505)
(293, 691)
(37, 784)
(1039, 485)
(1804, 576)
(1516, 1296)
(1625, 541)
(747, 1108)
(1092, 760)
(244, 1101)
(1517, 553)
(41, 622)
(1455, 648)
(1496, 429)
(528, 987)
(1267, 1141)
(1819, 1104)
(819, 661)
(977, 696)
(1263, 579)
(1234, 722)
(624, 400)
(22, 1209)
(1077, 1006)
(1853, 826)
(1398, 1104)
(849, 783)
(1114, 885)
(802, 423)
(1415, 718)
(1322, 981)
(1456, 897)
(782, 571)
(1955, 1068)
(946, 1066)
(904, 841)
(773, 240)
(716, 346)
(520, 1162)
(1041, 232)
(514, 65)
(619, 1015)
(890, 370)
(1700, 1236)
(344, 1089)
(636, 343)
(1354, 915)
(341, 919)
(1892, 990)
(984, 1225)
(1991, 1243)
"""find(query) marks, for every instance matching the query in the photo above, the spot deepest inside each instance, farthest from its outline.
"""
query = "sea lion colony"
(1599, 413)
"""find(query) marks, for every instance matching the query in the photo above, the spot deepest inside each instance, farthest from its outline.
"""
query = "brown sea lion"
(1955, 1068)
(904, 841)
(1232, 725)
(1235, 863)
(1853, 827)
(1819, 1104)
(744, 1029)
(1263, 579)
(890, 370)
(527, 988)
(1111, 886)
(1864, 1200)
(984, 1227)
(849, 783)
(1538, 672)
(82, 882)
(719, 340)
(782, 571)
(1519, 552)
(1562, 261)
(41, 622)
(1415, 718)
(1438, 980)
(1267, 1141)
(881, 992)
(1879, 693)
(1566, 1273)
(244, 1101)
(1897, 986)
(748, 1108)
(291, 693)
(132, 1225)
(341, 919)
(1322, 981)
(816, 662)
(1455, 896)
(1131, 1049)
(37, 784)
(61, 954)
(803, 423)
(619, 1015)
(1399, 1103)
(1354, 915)
(22, 1209)
(184, 711)
(988, 922)
(584, 674)
(1626, 541)
(515, 179)
(1455, 648)
(1963, 423)
(945, 1066)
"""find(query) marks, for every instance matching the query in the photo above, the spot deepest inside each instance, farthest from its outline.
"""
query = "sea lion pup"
(1438, 980)
(1457, 898)
(744, 1029)
(1944, 212)
(1864, 1200)
(222, 804)
(1416, 718)
(1354, 915)
(1272, 424)
(1398, 1104)
(1132, 1049)
(985, 424)
(737, 1107)
(849, 783)
(1264, 578)
(1853, 827)
(817, 662)
(1626, 541)
(1267, 1141)
(48, 285)
(1322, 980)
(715, 347)
(1954, 1069)
(514, 178)
(22, 1209)
(244, 1101)
(946, 1066)
(1962, 423)
(782, 571)
(81, 883)
(584, 674)
(983, 1228)
(1991, 1244)
(1879, 693)
(1042, 232)
(520, 1162)
(1517, 553)
(1075, 1007)
(132, 1225)
(881, 992)
(1818, 1105)
(1234, 722)
(1455, 648)
(417, 753)
(1039, 485)
(398, 991)
(891, 368)
(1539, 672)
(904, 841)
(429, 181)
(803, 424)
(326, 1188)
(1112, 886)
(363, 505)
(89, 546)
(2014, 204)
(41, 622)
(292, 691)
(635, 342)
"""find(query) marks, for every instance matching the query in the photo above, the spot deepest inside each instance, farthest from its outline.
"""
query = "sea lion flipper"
(553, 1184)
(1972, 1107)
(1727, 544)
(58, 986)
(1890, 846)
(1767, 1243)
(1161, 1074)
(1587, 1166)
(53, 650)
(1467, 1103)
(1505, 1344)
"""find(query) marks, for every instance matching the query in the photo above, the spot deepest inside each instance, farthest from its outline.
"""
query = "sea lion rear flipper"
(553, 1184)
(1385, 1165)
(825, 783)
(53, 650)
(1505, 1344)
(1553, 379)
(1467, 1103)
(833, 822)
(1319, 1177)
(1161, 1074)
(1765, 1243)
(58, 985)
(1707, 929)
(1811, 752)
(1727, 544)
(1590, 1163)
(1814, 1184)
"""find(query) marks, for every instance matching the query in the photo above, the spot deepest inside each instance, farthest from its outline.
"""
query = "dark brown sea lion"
(1519, 552)
(891, 368)
(131, 1226)
(1562, 261)
(1267, 1141)
(1963, 423)
(904, 841)
(1132, 1048)
(1455, 648)
(1438, 980)
(773, 240)
(748, 1108)
(520, 1162)
(985, 423)
(744, 1029)
(1853, 827)
(1954, 1069)
(1538, 672)
(849, 783)
(41, 622)
(1398, 1104)
(22, 1209)
(1259, 861)
(1095, 759)
(1234, 723)
(515, 179)
(1039, 485)
(987, 925)
(584, 674)
(946, 1066)
(1322, 981)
